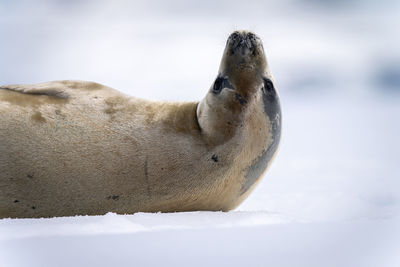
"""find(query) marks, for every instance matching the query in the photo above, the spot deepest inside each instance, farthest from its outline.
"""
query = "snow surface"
(331, 198)
(198, 239)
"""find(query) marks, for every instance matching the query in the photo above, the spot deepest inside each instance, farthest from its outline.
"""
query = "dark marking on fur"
(16, 201)
(33, 207)
(117, 104)
(272, 109)
(59, 113)
(240, 99)
(146, 174)
(30, 175)
(111, 107)
(214, 158)
(113, 197)
(271, 102)
(92, 86)
(37, 116)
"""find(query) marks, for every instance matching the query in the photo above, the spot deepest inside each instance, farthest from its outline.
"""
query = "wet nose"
(244, 46)
(243, 40)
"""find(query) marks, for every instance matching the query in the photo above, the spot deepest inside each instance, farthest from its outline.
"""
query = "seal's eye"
(218, 85)
(268, 87)
(221, 83)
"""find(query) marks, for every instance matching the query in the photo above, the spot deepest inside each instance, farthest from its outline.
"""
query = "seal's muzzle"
(243, 43)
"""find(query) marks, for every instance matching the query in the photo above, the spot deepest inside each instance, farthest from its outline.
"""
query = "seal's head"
(243, 54)
(244, 83)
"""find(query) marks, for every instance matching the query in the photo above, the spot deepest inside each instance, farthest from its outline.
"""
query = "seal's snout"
(243, 43)
(243, 60)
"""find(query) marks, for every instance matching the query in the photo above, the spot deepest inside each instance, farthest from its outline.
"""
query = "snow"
(198, 239)
(331, 197)
(112, 223)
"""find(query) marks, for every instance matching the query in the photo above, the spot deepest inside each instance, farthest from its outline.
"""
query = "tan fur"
(74, 148)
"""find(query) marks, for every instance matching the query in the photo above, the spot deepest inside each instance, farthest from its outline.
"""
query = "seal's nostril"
(235, 36)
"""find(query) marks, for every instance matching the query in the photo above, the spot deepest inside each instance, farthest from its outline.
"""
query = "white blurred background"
(336, 65)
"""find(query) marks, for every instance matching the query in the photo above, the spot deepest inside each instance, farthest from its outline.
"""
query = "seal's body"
(75, 148)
